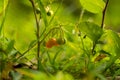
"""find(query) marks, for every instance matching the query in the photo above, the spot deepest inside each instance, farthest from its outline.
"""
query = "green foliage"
(64, 48)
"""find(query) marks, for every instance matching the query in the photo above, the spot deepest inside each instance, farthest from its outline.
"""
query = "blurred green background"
(20, 23)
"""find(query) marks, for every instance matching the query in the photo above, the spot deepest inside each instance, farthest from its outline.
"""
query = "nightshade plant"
(78, 49)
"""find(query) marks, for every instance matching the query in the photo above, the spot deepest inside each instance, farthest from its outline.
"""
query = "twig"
(103, 15)
(102, 24)
(37, 33)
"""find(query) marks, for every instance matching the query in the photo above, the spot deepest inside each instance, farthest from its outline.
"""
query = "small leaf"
(92, 30)
(94, 6)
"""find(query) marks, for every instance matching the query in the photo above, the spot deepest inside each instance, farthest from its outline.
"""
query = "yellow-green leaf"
(94, 6)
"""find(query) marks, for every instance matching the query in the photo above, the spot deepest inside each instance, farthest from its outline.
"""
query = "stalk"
(102, 24)
(37, 35)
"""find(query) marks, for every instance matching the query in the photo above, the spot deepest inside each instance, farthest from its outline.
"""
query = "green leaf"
(94, 6)
(112, 40)
(92, 30)
(33, 74)
(43, 12)
(112, 46)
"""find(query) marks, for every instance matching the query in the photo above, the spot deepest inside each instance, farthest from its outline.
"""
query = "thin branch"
(102, 24)
(37, 33)
(103, 15)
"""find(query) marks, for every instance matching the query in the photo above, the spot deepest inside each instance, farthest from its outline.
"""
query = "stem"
(53, 62)
(37, 33)
(103, 16)
(49, 57)
(79, 21)
(102, 24)
(81, 15)
(94, 45)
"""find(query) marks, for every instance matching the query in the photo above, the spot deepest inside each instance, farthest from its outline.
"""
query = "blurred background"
(20, 23)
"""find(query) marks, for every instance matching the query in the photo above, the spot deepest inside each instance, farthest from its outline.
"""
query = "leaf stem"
(103, 14)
